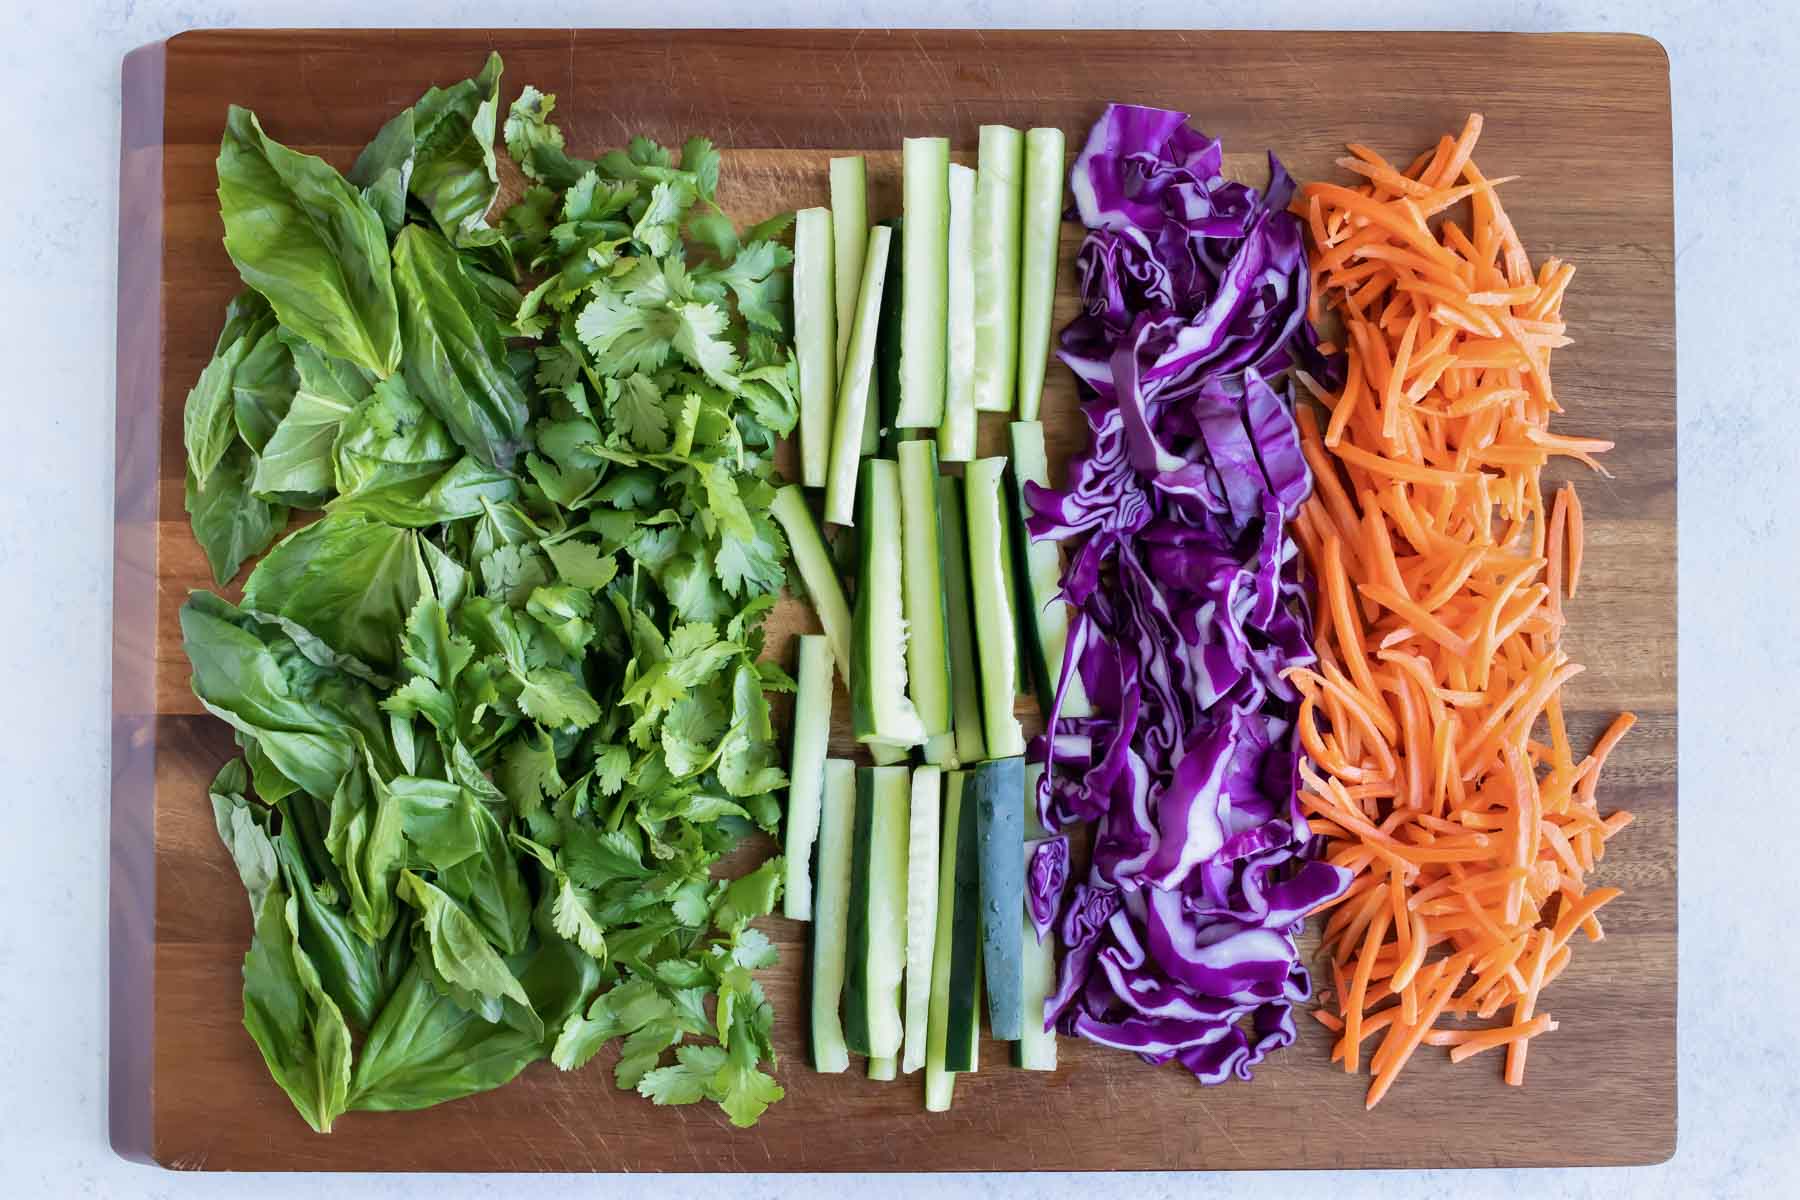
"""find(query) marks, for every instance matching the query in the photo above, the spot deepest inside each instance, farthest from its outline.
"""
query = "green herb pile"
(501, 707)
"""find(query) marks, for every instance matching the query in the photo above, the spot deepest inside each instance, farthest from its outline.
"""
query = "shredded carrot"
(1574, 535)
(1473, 1042)
(1439, 769)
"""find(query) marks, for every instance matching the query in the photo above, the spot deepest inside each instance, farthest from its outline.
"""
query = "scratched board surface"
(1584, 119)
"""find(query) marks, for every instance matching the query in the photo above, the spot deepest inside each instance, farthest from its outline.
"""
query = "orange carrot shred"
(1574, 535)
(1442, 566)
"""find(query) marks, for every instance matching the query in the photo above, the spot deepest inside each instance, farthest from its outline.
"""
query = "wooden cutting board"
(1585, 120)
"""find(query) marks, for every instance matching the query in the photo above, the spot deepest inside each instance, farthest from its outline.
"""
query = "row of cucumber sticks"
(919, 907)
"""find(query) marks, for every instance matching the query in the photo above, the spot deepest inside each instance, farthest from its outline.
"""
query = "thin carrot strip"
(1493, 1039)
(1359, 989)
(1614, 734)
(1576, 534)
(1526, 1006)
(1391, 1069)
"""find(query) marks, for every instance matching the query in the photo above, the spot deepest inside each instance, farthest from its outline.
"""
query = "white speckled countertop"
(1737, 195)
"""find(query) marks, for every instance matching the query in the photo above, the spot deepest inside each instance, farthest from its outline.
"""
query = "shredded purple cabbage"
(1046, 881)
(1188, 607)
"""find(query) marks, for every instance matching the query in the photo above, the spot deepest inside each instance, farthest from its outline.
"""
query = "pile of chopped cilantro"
(502, 706)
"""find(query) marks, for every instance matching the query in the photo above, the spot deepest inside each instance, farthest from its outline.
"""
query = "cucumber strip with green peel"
(853, 399)
(1045, 622)
(921, 909)
(958, 947)
(831, 915)
(850, 233)
(815, 340)
(818, 572)
(1036, 1048)
(806, 772)
(965, 670)
(922, 575)
(956, 435)
(849, 241)
(1040, 245)
(998, 786)
(999, 199)
(954, 1031)
(939, 1082)
(880, 710)
(883, 1069)
(880, 433)
(991, 587)
(875, 954)
(925, 202)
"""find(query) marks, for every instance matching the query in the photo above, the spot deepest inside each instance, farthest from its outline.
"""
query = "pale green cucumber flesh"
(831, 909)
(806, 771)
(815, 340)
(1039, 247)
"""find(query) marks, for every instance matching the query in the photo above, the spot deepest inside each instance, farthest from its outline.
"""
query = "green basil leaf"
(310, 243)
(303, 716)
(464, 960)
(302, 1034)
(263, 386)
(489, 886)
(357, 973)
(455, 358)
(454, 174)
(207, 425)
(229, 522)
(366, 842)
(425, 1049)
(384, 170)
(350, 581)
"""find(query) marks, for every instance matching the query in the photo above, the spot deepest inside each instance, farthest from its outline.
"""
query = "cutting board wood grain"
(1584, 120)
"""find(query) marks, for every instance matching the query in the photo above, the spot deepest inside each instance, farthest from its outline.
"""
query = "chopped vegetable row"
(920, 908)
(1382, 766)
(1439, 632)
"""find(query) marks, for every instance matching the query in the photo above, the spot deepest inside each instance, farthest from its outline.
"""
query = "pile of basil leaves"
(501, 705)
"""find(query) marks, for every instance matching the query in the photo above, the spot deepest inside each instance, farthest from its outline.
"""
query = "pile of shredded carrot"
(1441, 579)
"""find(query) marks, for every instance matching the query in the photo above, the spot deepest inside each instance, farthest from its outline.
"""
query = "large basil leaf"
(425, 1049)
(207, 427)
(489, 886)
(229, 522)
(263, 386)
(455, 358)
(367, 842)
(440, 151)
(296, 465)
(454, 834)
(454, 174)
(439, 820)
(299, 1028)
(310, 243)
(357, 973)
(348, 580)
(302, 715)
(464, 961)
(396, 462)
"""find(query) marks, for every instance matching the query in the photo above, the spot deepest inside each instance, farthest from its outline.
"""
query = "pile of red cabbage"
(1188, 606)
